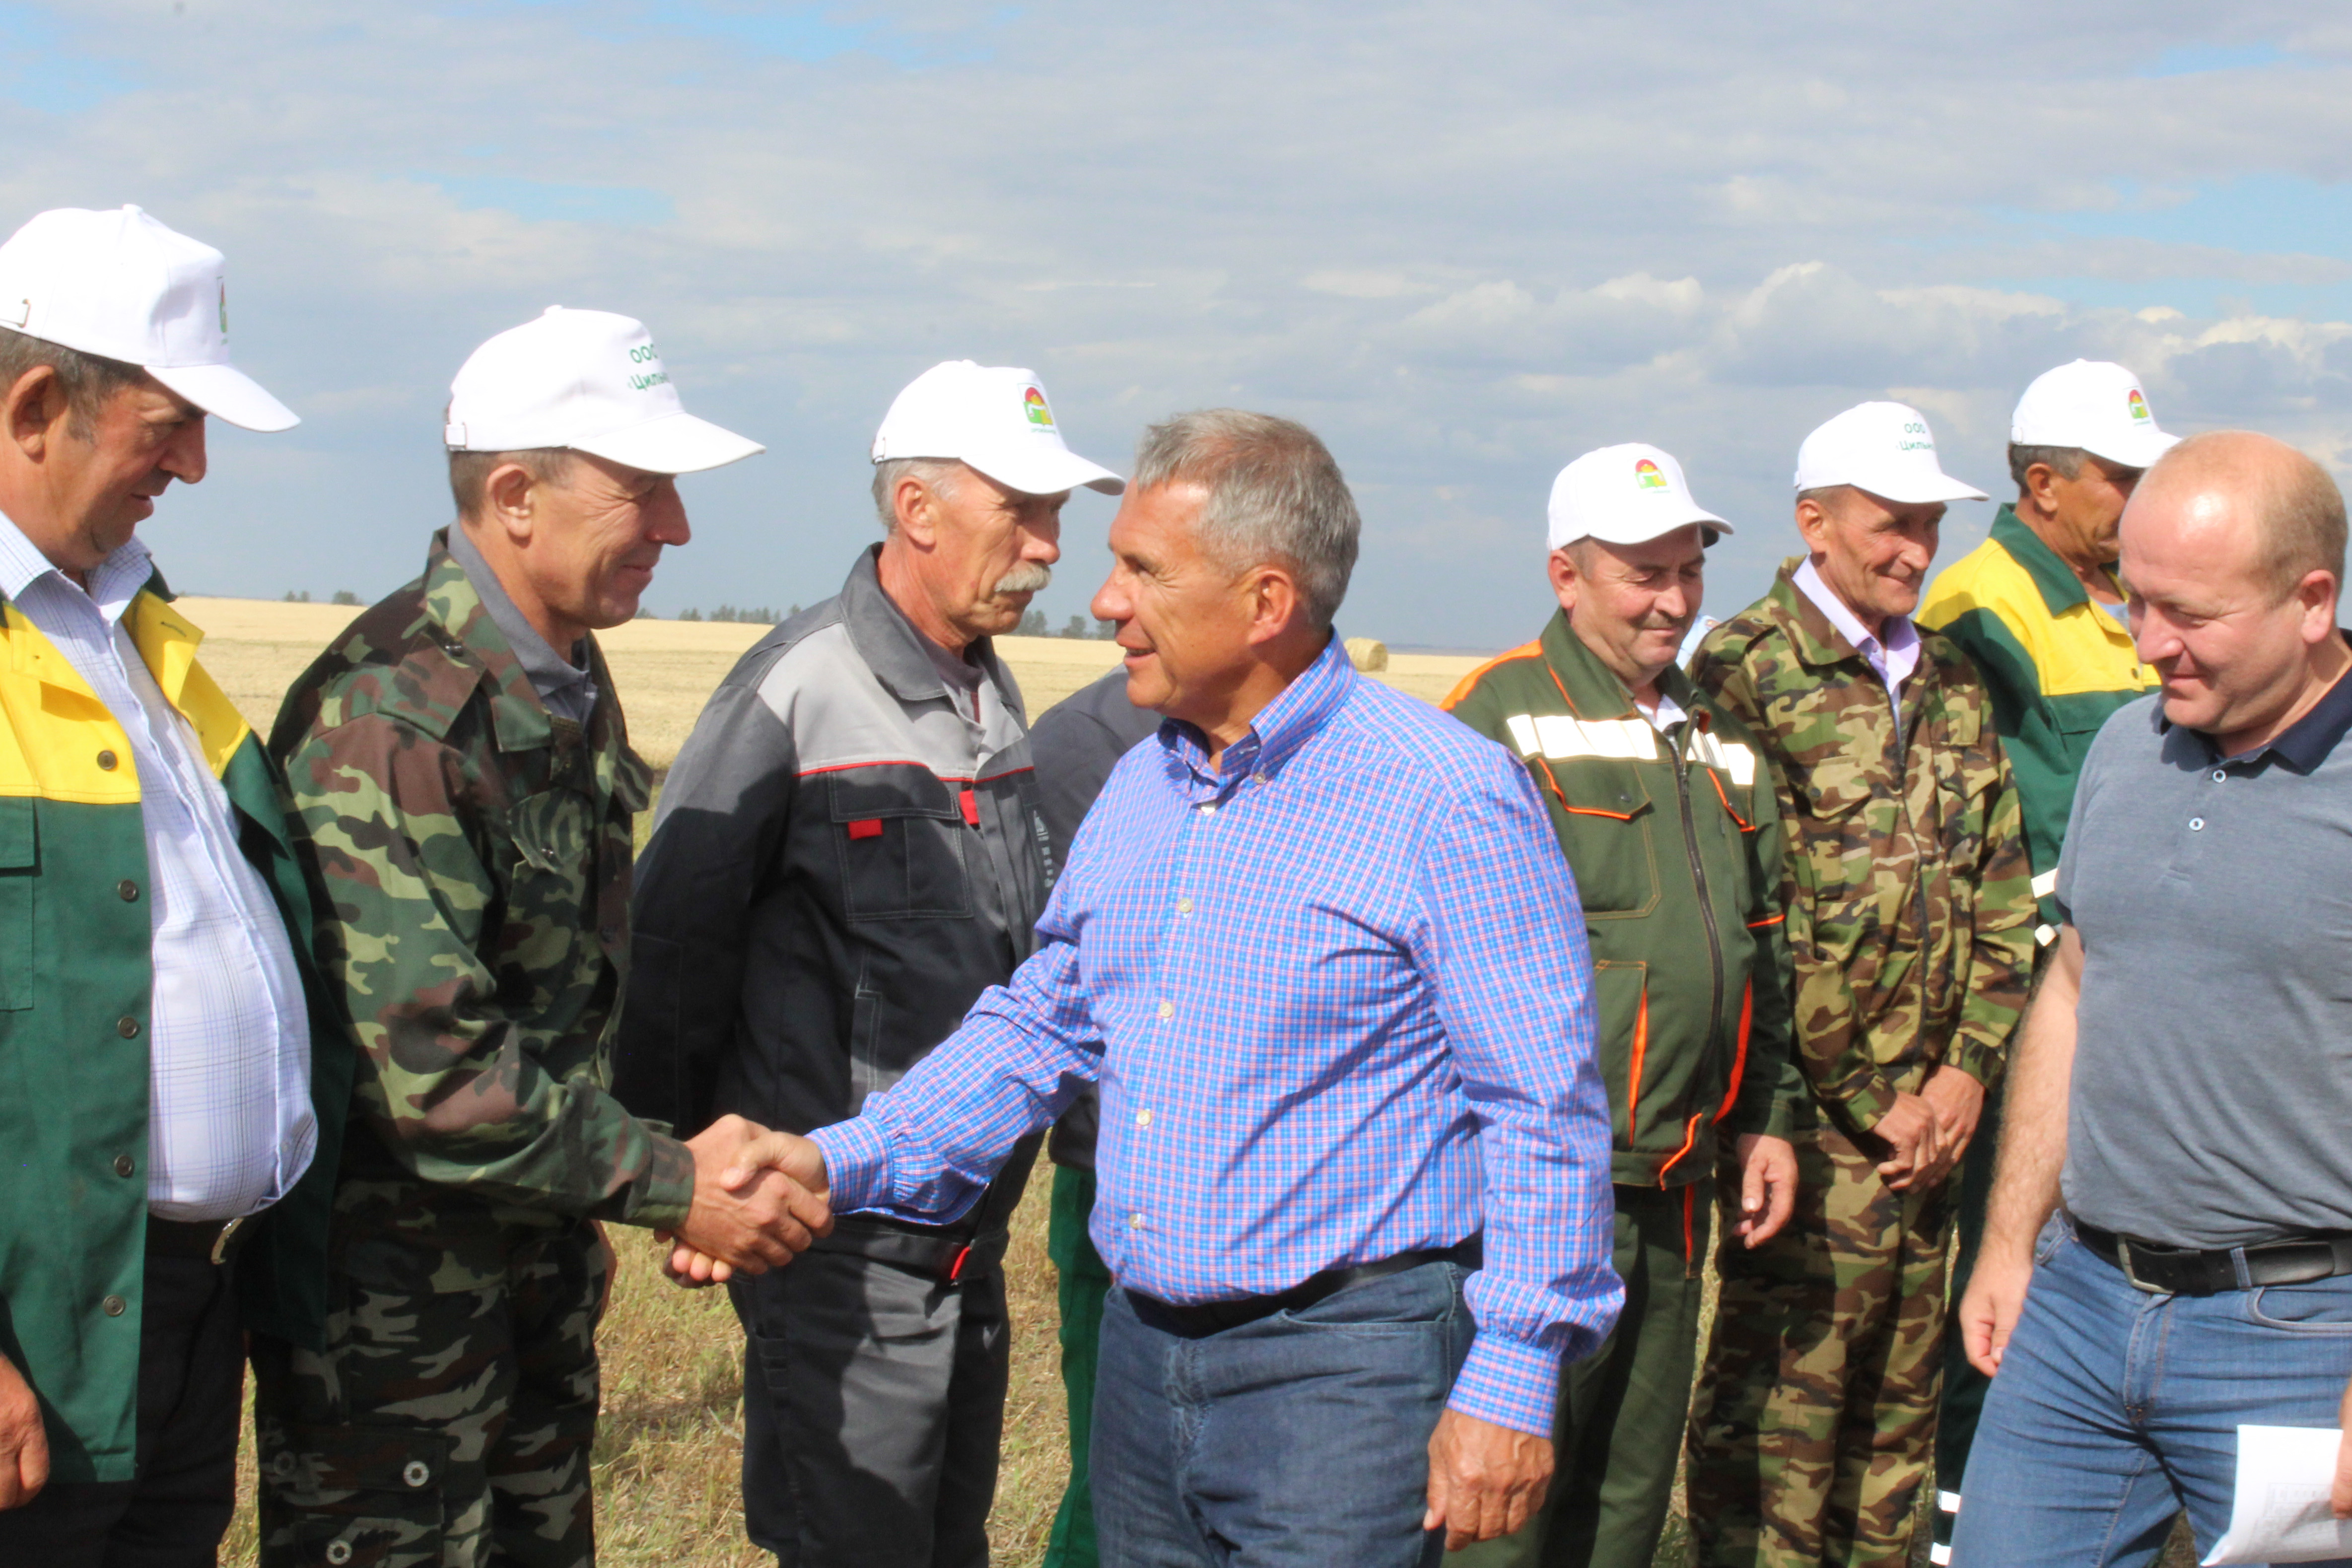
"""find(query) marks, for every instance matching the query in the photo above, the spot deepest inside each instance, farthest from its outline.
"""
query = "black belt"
(949, 1259)
(2185, 1271)
(1215, 1317)
(213, 1240)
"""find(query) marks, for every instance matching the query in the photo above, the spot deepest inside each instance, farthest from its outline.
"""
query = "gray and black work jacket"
(845, 855)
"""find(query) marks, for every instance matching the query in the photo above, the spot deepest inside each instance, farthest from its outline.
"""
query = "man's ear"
(510, 501)
(2042, 488)
(1562, 565)
(35, 410)
(1275, 602)
(917, 511)
(2316, 594)
(1813, 525)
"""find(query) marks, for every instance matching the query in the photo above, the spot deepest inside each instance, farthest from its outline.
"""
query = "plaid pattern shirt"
(231, 1128)
(1337, 994)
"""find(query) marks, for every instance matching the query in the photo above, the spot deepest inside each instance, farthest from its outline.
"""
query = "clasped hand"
(759, 1202)
(1929, 1132)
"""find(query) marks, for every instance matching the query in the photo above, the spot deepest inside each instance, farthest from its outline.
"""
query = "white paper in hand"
(2280, 1514)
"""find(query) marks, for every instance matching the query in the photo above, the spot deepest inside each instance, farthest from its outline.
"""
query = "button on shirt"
(1893, 659)
(230, 1127)
(1337, 994)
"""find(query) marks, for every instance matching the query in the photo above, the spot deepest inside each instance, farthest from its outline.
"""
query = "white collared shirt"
(1666, 714)
(230, 1128)
(1894, 659)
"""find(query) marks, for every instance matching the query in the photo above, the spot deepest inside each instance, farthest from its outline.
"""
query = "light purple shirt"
(1894, 659)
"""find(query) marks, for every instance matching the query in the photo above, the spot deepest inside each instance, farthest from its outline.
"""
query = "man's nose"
(1110, 601)
(183, 455)
(666, 521)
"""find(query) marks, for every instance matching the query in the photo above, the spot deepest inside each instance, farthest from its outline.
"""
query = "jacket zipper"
(1699, 877)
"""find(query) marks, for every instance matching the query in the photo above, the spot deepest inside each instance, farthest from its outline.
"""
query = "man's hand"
(1485, 1480)
(23, 1446)
(1988, 1311)
(2339, 1496)
(1909, 1130)
(1768, 1187)
(752, 1210)
(1957, 1101)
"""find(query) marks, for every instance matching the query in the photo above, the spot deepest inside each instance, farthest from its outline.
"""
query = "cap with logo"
(2094, 406)
(1884, 448)
(1624, 495)
(587, 380)
(993, 417)
(120, 285)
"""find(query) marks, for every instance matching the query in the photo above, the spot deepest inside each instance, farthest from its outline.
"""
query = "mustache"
(1029, 577)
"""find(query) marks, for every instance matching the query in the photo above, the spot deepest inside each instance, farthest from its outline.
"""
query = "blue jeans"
(2115, 1409)
(1302, 1438)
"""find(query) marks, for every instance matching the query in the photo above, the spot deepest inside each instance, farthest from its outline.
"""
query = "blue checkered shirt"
(1336, 993)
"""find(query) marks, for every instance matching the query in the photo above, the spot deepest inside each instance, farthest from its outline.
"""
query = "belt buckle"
(221, 1242)
(2131, 1275)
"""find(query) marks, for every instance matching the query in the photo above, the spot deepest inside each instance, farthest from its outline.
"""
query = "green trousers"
(1619, 1431)
(1085, 1283)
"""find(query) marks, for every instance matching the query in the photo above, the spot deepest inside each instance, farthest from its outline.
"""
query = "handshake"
(759, 1202)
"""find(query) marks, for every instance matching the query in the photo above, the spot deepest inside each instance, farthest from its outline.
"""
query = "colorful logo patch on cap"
(1647, 475)
(1034, 401)
(2138, 407)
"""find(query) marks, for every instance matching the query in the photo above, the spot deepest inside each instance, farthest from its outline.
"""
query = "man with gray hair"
(1318, 947)
(848, 853)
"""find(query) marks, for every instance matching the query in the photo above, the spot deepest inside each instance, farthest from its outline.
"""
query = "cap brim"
(2136, 449)
(1708, 521)
(1913, 491)
(227, 392)
(1045, 471)
(673, 443)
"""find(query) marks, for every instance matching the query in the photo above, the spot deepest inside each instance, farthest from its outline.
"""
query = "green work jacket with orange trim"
(2057, 666)
(75, 974)
(1674, 839)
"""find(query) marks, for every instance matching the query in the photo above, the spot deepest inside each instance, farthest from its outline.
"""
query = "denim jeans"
(1300, 1439)
(2115, 1409)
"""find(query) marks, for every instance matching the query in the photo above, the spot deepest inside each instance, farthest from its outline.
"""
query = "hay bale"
(1368, 653)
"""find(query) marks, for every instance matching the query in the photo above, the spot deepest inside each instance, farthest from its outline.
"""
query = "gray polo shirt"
(564, 684)
(2212, 1104)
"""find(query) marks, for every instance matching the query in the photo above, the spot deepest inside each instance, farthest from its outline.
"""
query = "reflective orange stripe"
(1462, 687)
(1744, 825)
(1690, 1138)
(1767, 920)
(1690, 1195)
(1640, 1049)
(1739, 1057)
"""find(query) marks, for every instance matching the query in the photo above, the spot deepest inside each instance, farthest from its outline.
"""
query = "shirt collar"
(1283, 725)
(551, 672)
(1894, 657)
(2304, 744)
(113, 584)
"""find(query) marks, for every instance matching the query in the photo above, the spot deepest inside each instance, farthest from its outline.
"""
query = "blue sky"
(1465, 243)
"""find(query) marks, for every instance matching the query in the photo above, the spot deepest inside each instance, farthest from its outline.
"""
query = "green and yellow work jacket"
(75, 978)
(1675, 842)
(2056, 663)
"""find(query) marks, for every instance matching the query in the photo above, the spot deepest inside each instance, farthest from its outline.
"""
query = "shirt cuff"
(1980, 1062)
(1509, 1384)
(661, 1198)
(856, 1164)
(1866, 1098)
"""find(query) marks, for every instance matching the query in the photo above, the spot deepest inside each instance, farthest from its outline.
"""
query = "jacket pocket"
(354, 1497)
(20, 883)
(869, 1073)
(1620, 1002)
(1608, 831)
(898, 838)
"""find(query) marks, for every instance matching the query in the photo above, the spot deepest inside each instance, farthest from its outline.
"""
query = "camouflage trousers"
(1815, 1415)
(447, 1423)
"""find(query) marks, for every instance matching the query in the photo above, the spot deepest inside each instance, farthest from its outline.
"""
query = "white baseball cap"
(122, 285)
(1624, 495)
(994, 417)
(2093, 405)
(587, 380)
(1884, 448)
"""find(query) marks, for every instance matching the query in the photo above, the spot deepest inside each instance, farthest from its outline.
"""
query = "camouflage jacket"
(476, 851)
(1909, 896)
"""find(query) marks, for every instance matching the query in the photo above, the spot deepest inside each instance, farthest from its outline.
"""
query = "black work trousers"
(191, 1384)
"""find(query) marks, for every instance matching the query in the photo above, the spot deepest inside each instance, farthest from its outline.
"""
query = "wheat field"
(670, 1442)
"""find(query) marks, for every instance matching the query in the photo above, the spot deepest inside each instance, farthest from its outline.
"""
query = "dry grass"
(669, 1448)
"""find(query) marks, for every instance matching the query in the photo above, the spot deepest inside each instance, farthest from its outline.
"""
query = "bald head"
(2233, 555)
(2254, 502)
